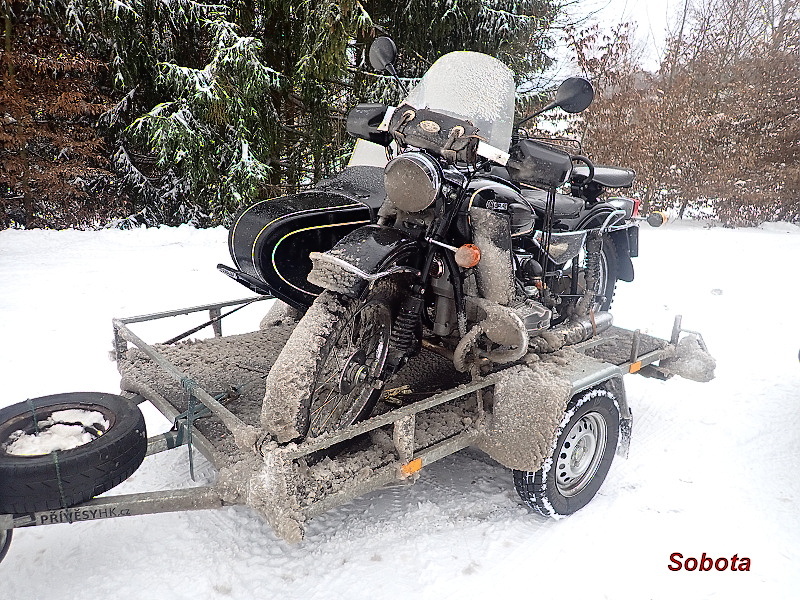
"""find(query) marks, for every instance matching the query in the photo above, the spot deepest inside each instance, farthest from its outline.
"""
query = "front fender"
(363, 255)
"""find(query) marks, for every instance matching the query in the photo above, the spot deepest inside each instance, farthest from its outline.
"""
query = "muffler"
(570, 333)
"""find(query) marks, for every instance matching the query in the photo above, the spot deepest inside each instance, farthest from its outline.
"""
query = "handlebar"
(589, 164)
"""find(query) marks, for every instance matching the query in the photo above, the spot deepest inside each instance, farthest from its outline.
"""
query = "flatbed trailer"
(212, 391)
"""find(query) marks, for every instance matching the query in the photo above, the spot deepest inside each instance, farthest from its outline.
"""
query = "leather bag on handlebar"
(455, 140)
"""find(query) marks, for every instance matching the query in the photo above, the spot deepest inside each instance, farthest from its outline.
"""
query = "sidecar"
(270, 241)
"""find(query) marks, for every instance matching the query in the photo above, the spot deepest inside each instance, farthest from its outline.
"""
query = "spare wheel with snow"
(60, 450)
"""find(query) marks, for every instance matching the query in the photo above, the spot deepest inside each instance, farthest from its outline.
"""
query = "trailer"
(212, 390)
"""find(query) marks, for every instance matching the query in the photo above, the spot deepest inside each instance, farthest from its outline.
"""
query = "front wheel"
(335, 362)
(583, 449)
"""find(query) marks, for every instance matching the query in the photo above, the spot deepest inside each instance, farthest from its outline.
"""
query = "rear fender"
(362, 256)
(626, 242)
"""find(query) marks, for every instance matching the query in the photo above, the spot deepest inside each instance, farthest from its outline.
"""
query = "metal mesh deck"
(615, 344)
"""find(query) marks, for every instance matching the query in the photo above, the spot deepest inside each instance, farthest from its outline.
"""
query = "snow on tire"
(61, 450)
(583, 450)
(331, 371)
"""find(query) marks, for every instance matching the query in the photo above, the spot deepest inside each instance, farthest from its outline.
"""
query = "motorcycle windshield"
(472, 86)
(467, 85)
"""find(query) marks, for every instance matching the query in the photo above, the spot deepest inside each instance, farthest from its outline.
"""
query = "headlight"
(412, 181)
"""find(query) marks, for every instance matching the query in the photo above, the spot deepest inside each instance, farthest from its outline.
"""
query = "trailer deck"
(213, 390)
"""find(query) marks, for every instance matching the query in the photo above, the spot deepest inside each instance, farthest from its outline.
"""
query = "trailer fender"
(616, 386)
(529, 405)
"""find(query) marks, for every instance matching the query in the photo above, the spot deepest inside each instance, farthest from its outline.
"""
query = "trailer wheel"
(47, 477)
(5, 542)
(584, 447)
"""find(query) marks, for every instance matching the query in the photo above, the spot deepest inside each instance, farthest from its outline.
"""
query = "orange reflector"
(468, 256)
(412, 467)
(635, 367)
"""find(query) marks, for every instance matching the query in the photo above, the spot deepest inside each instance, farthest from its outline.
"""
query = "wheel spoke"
(324, 403)
(333, 410)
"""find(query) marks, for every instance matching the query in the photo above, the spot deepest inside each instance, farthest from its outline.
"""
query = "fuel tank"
(499, 196)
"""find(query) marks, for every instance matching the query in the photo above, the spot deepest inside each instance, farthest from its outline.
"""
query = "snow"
(713, 467)
(62, 430)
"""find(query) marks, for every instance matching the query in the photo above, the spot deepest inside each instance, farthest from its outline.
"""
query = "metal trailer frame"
(249, 439)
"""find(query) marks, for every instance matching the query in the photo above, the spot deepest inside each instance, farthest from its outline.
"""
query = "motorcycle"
(451, 243)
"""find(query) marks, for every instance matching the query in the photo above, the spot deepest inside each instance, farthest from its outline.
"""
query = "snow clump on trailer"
(529, 403)
(279, 313)
(691, 361)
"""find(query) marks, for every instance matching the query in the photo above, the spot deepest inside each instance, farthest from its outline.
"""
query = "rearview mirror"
(382, 53)
(574, 94)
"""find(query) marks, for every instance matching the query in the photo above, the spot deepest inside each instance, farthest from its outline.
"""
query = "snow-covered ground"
(713, 467)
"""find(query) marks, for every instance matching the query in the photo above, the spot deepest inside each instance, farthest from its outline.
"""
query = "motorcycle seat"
(566, 207)
(610, 177)
(363, 183)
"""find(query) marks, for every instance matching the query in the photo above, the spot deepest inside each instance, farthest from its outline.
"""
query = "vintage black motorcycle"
(453, 243)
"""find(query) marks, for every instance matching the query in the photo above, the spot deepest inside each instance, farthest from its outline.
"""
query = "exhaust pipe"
(570, 333)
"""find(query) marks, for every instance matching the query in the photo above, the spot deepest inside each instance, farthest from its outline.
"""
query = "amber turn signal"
(468, 256)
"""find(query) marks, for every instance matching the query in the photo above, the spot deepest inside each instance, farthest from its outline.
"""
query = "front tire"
(583, 450)
(341, 382)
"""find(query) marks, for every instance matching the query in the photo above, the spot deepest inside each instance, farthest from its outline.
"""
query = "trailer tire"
(5, 542)
(583, 450)
(64, 478)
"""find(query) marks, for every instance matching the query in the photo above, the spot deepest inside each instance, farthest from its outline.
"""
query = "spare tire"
(41, 475)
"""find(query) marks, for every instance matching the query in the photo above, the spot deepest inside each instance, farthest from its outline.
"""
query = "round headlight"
(412, 181)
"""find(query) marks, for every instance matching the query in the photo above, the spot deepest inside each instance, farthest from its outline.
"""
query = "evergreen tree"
(222, 103)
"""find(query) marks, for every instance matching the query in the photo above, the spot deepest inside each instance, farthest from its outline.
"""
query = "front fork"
(405, 339)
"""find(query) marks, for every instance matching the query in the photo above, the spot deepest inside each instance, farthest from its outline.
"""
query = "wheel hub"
(355, 372)
(580, 454)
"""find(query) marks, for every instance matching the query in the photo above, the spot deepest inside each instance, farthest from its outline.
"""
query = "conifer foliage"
(217, 104)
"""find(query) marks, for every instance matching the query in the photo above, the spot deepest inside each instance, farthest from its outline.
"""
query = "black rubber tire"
(540, 489)
(67, 477)
(5, 542)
